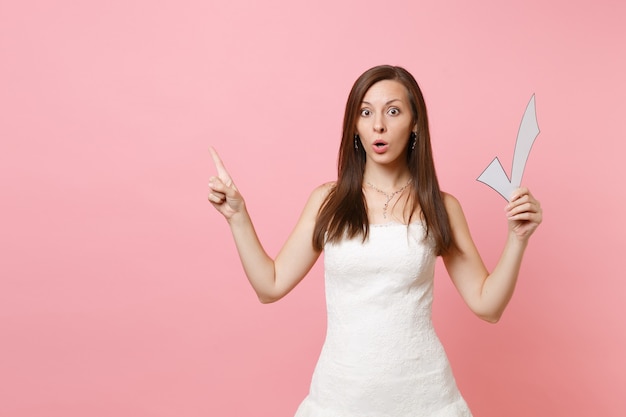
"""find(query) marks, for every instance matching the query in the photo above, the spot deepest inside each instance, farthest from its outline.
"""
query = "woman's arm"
(487, 294)
(271, 278)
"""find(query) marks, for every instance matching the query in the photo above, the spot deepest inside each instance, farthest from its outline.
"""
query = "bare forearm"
(499, 286)
(257, 265)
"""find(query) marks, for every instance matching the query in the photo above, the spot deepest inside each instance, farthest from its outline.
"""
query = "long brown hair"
(344, 212)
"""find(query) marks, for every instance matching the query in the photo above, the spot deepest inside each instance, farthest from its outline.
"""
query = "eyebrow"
(387, 103)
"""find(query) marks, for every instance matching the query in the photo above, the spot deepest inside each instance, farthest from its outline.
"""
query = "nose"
(379, 124)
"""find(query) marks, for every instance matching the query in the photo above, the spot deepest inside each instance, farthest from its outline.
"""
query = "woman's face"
(384, 122)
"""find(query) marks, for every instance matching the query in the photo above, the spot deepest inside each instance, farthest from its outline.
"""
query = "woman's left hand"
(524, 213)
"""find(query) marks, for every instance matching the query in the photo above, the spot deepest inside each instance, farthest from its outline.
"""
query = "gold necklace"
(388, 196)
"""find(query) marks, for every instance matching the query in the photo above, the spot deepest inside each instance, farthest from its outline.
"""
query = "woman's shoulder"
(319, 195)
(452, 205)
(453, 208)
(449, 200)
(321, 192)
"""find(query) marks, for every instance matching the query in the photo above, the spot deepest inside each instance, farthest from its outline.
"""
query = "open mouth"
(380, 146)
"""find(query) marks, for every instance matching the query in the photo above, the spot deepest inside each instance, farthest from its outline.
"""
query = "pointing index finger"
(221, 169)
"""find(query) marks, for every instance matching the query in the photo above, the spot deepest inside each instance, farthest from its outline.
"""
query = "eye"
(365, 112)
(394, 111)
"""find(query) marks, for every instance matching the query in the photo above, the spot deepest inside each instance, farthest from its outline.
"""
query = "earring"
(413, 140)
(356, 141)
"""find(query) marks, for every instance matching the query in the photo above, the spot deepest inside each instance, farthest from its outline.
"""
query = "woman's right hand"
(223, 193)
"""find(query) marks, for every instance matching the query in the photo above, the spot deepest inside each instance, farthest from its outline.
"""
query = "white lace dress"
(381, 357)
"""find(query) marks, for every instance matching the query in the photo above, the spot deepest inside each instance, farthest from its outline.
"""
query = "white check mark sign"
(494, 175)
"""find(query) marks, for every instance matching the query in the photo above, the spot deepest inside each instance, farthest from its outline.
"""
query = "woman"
(381, 225)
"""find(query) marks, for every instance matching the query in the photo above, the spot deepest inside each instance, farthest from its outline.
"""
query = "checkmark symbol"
(494, 175)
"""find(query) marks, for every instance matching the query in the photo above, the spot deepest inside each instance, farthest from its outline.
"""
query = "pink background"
(121, 292)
